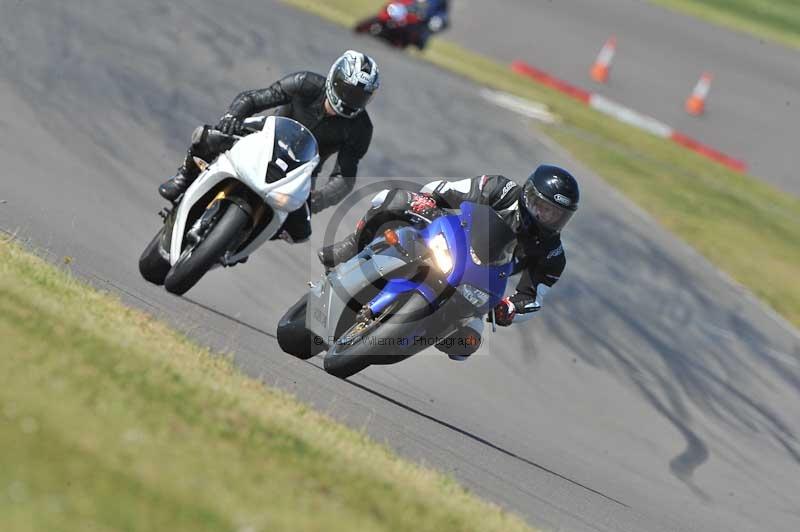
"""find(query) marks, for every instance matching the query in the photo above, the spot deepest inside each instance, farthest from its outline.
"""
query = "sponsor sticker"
(556, 252)
(562, 199)
(506, 188)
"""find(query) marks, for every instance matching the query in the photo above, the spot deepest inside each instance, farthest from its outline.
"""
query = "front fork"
(198, 230)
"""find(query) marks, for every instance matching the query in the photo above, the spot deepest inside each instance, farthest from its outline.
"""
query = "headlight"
(441, 253)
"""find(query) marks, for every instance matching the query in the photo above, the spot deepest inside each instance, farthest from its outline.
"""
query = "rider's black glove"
(230, 124)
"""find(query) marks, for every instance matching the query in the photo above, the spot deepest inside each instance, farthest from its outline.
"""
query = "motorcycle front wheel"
(372, 343)
(196, 260)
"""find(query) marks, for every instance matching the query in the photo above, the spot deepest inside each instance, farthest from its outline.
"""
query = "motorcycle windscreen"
(491, 239)
(294, 145)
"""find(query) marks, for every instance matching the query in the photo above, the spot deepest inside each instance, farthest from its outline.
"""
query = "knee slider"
(463, 343)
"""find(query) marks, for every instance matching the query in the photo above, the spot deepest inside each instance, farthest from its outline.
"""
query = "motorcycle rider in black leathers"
(536, 211)
(332, 108)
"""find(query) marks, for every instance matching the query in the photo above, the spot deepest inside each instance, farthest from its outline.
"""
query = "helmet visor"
(546, 213)
(352, 97)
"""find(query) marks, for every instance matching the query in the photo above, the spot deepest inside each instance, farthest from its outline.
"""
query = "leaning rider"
(332, 108)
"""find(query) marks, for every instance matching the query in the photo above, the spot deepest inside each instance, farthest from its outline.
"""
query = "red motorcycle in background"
(399, 23)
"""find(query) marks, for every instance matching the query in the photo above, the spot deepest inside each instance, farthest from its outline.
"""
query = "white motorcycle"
(237, 203)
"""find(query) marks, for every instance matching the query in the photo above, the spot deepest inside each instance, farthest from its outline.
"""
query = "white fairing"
(247, 161)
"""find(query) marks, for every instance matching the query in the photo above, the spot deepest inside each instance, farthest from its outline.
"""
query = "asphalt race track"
(650, 394)
(754, 106)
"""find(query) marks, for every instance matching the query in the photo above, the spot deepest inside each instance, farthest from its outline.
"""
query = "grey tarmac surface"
(650, 394)
(754, 107)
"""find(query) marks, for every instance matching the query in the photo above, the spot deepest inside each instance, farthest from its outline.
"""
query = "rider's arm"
(251, 102)
(497, 191)
(536, 281)
(449, 194)
(343, 177)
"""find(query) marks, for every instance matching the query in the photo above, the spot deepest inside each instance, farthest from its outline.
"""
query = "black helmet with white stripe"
(549, 199)
(352, 82)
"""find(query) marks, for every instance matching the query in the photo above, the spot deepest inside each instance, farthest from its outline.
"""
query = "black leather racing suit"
(541, 259)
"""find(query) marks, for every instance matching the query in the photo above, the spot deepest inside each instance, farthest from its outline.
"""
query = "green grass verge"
(111, 421)
(743, 225)
(774, 20)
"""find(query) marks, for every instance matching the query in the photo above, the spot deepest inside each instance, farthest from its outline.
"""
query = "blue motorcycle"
(409, 289)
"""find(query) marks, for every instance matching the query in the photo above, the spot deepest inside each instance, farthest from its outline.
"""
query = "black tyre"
(346, 358)
(152, 265)
(293, 337)
(195, 262)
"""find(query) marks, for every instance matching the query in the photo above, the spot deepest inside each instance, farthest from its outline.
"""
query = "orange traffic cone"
(602, 65)
(696, 103)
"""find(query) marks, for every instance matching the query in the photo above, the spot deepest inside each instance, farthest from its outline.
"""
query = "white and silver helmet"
(352, 82)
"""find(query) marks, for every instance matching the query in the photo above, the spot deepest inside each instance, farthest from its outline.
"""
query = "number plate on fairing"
(317, 310)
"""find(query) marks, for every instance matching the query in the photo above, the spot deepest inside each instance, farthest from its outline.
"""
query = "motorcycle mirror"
(201, 164)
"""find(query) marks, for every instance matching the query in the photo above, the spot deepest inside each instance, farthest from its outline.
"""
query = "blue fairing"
(457, 230)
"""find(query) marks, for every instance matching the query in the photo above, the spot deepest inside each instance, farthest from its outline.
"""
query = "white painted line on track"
(629, 116)
(537, 111)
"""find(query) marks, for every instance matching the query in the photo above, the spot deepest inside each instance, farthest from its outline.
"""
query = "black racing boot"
(177, 185)
(335, 254)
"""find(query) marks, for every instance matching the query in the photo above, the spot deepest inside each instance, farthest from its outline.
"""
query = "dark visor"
(352, 96)
(547, 213)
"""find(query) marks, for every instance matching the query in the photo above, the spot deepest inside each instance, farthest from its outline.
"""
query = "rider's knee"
(299, 235)
(297, 226)
(461, 344)
(390, 200)
(287, 237)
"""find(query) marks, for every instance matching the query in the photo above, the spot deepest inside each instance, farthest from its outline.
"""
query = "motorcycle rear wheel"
(293, 336)
(152, 265)
(195, 263)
